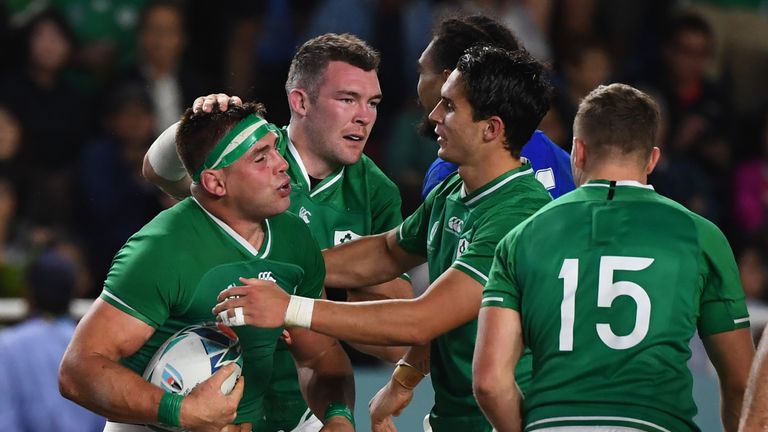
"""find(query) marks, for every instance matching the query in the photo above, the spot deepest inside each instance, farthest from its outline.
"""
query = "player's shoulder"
(540, 142)
(366, 174)
(289, 224)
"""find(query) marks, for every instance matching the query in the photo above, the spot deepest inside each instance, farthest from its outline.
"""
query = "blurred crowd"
(86, 85)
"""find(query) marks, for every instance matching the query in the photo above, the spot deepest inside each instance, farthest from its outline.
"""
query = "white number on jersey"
(607, 291)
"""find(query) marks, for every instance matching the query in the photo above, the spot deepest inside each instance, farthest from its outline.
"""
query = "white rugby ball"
(191, 356)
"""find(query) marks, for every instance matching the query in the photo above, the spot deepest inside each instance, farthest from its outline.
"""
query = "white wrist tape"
(299, 312)
(163, 158)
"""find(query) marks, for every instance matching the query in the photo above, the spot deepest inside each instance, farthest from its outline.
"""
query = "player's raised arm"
(91, 376)
(754, 414)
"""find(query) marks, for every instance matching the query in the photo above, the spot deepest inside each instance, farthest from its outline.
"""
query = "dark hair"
(686, 22)
(51, 282)
(58, 20)
(511, 85)
(618, 117)
(312, 58)
(199, 132)
(455, 35)
(175, 5)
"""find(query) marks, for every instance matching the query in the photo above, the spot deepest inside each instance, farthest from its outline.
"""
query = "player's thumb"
(237, 392)
(222, 374)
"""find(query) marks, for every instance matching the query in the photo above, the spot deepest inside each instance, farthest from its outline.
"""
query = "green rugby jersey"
(611, 282)
(170, 272)
(453, 229)
(354, 201)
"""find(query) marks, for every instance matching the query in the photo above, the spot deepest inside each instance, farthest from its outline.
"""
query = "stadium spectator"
(30, 353)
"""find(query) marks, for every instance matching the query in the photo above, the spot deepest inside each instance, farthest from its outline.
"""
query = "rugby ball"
(191, 356)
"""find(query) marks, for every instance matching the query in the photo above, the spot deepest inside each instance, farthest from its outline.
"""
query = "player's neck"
(613, 173)
(476, 174)
(250, 229)
(316, 166)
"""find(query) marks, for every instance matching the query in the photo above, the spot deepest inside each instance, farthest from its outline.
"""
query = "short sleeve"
(142, 282)
(412, 233)
(502, 289)
(477, 259)
(723, 306)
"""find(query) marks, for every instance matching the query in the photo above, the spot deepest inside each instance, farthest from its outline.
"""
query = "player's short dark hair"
(618, 117)
(312, 58)
(199, 132)
(509, 84)
(455, 35)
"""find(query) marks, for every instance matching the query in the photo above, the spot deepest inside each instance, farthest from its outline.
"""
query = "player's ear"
(577, 153)
(653, 160)
(494, 128)
(298, 100)
(213, 182)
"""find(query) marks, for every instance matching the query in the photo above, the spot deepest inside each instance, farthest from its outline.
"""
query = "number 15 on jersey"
(608, 290)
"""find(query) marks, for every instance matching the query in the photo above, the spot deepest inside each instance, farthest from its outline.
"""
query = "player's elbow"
(486, 386)
(67, 383)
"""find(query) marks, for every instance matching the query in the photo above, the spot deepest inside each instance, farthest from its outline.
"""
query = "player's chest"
(451, 230)
(332, 219)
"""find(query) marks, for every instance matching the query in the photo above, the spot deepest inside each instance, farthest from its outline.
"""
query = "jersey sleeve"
(142, 281)
(502, 289)
(723, 305)
(477, 259)
(314, 266)
(412, 233)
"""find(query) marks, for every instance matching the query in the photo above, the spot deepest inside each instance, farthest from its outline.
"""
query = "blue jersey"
(551, 165)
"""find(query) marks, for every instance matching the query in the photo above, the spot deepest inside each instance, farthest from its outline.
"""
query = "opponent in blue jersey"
(451, 38)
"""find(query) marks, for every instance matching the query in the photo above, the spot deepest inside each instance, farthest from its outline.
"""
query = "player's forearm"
(327, 378)
(497, 407)
(754, 416)
(109, 389)
(389, 354)
(362, 262)
(499, 400)
(385, 322)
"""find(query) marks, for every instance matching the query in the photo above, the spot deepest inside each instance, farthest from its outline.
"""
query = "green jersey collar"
(623, 183)
(492, 186)
(324, 184)
(266, 245)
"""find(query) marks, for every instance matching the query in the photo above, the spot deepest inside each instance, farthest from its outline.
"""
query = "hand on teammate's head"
(206, 103)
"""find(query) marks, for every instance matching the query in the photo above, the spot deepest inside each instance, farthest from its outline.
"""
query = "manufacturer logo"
(304, 214)
(341, 237)
(267, 275)
(455, 224)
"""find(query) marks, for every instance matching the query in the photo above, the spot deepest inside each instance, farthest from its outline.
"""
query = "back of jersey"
(613, 282)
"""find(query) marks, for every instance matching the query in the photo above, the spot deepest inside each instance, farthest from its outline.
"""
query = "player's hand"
(337, 424)
(259, 303)
(206, 408)
(206, 103)
(242, 427)
(389, 401)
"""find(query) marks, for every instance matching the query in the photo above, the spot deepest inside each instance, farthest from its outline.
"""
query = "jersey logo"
(455, 224)
(546, 177)
(304, 214)
(462, 247)
(267, 275)
(341, 237)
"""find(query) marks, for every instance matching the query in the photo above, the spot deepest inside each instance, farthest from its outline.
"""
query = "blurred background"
(86, 85)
